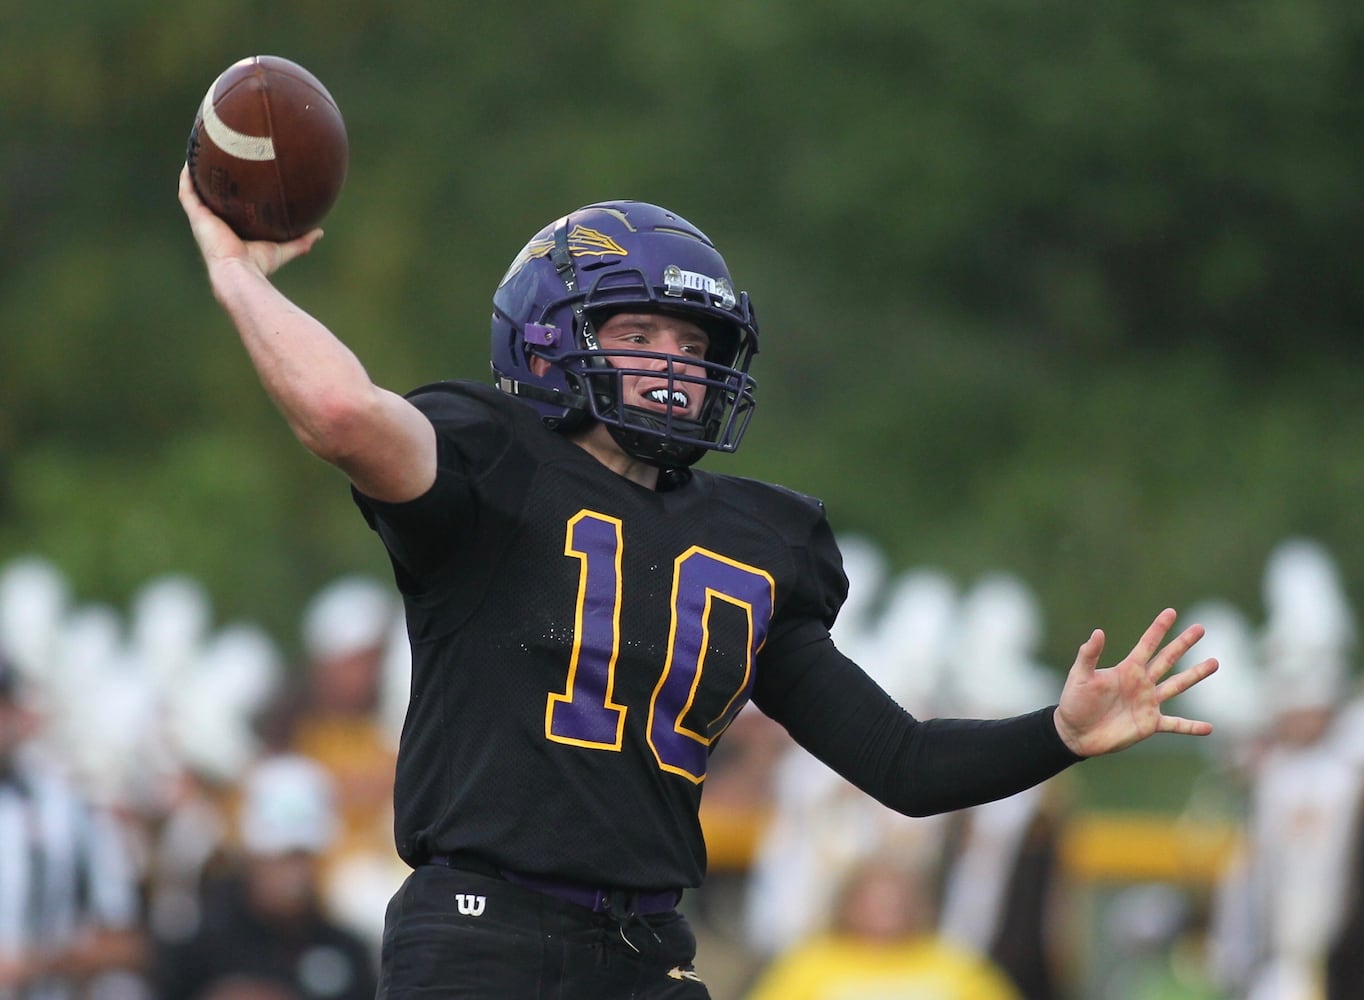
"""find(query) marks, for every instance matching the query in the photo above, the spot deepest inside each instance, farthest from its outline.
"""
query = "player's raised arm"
(383, 443)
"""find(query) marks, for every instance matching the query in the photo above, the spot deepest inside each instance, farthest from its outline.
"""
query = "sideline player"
(587, 612)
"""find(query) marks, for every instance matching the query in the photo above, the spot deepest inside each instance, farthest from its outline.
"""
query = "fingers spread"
(1153, 636)
(1186, 679)
(1174, 652)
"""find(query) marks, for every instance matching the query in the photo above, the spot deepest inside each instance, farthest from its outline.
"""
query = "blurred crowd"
(187, 814)
(184, 814)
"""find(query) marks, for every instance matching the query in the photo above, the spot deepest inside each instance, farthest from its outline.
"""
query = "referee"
(68, 896)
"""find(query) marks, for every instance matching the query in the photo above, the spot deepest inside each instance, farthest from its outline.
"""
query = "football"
(268, 151)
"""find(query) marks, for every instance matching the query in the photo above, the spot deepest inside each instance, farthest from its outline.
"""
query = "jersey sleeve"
(421, 534)
(820, 585)
(835, 710)
(832, 708)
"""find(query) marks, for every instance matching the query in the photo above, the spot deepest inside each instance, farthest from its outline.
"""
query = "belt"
(616, 902)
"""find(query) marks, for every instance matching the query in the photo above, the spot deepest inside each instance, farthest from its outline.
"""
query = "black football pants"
(464, 936)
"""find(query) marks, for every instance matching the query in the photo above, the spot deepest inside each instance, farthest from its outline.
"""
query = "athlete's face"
(662, 334)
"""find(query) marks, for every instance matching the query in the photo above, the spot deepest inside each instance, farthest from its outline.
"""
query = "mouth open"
(668, 398)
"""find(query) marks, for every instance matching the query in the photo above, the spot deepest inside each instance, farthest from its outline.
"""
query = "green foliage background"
(1065, 289)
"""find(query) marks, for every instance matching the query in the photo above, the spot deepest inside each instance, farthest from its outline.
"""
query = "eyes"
(668, 339)
(696, 347)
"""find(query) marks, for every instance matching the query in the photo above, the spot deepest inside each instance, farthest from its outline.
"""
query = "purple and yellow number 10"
(586, 715)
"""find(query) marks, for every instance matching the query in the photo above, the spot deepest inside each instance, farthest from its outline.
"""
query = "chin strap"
(578, 407)
(529, 390)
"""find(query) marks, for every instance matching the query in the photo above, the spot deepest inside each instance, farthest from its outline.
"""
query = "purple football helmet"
(625, 256)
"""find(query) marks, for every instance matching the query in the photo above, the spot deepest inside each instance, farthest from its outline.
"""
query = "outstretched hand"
(217, 242)
(1103, 710)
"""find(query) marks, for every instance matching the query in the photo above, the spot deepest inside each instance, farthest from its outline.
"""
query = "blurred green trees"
(1064, 289)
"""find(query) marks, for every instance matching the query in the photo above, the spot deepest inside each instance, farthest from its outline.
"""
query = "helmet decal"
(582, 242)
(585, 242)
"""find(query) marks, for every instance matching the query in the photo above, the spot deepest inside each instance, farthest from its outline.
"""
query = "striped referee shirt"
(65, 869)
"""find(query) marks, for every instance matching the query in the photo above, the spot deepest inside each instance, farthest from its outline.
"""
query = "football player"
(588, 612)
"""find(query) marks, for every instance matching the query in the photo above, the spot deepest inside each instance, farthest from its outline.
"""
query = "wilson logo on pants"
(470, 905)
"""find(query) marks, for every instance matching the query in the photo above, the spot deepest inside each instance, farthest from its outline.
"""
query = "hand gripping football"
(268, 151)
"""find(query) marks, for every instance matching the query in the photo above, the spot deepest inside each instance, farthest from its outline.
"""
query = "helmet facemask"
(665, 437)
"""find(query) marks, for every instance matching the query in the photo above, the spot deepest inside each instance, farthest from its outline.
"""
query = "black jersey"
(580, 643)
